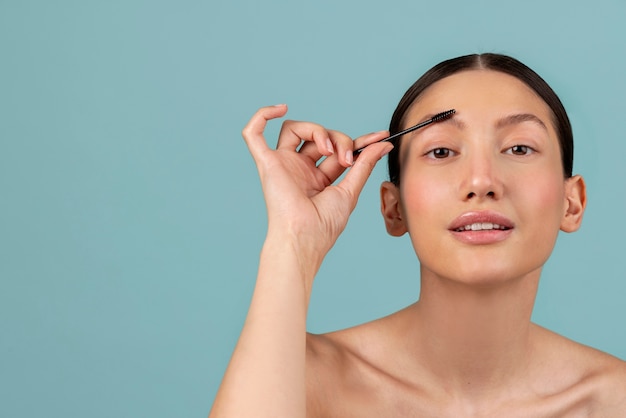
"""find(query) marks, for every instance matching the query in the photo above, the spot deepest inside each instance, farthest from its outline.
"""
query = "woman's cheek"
(542, 203)
(423, 194)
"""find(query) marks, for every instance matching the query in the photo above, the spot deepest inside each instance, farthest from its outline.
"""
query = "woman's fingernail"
(387, 150)
(349, 157)
(329, 145)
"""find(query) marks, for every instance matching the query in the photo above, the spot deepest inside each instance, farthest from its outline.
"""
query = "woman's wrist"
(292, 257)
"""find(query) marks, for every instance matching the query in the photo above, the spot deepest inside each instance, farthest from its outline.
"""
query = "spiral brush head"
(443, 115)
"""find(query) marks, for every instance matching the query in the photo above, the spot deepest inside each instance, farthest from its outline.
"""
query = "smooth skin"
(467, 347)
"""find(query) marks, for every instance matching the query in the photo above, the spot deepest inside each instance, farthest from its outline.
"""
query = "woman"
(482, 196)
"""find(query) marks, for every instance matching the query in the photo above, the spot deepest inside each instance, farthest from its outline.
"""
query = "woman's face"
(482, 194)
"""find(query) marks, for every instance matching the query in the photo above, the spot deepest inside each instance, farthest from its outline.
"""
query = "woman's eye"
(520, 150)
(440, 153)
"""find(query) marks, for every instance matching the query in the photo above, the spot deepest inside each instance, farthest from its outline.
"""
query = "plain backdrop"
(131, 216)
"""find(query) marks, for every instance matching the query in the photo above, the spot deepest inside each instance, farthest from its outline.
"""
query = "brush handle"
(437, 118)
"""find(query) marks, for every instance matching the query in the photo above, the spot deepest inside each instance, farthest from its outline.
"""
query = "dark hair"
(488, 61)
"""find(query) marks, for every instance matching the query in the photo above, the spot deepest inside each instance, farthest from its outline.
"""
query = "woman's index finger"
(253, 131)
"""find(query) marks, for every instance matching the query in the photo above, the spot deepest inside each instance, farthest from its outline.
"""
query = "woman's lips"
(482, 227)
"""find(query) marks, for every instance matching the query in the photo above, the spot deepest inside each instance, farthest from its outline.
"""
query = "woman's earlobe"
(391, 208)
(576, 201)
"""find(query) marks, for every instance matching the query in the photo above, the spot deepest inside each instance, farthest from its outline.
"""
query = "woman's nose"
(481, 178)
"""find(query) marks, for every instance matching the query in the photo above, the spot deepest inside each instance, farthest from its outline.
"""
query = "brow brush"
(437, 118)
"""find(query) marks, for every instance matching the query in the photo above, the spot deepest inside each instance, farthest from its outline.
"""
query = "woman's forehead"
(484, 93)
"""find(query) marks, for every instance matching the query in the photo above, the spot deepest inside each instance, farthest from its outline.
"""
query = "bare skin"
(360, 373)
(482, 233)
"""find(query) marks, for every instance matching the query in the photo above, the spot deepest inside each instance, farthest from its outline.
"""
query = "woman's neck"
(473, 339)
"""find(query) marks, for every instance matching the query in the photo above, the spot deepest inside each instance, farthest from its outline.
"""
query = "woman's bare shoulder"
(359, 344)
(343, 349)
(606, 377)
(587, 357)
(601, 375)
(344, 365)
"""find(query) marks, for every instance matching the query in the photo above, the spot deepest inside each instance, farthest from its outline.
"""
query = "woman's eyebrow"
(502, 122)
(520, 118)
(459, 124)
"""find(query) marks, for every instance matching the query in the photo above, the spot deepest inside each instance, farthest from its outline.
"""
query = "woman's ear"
(575, 202)
(391, 209)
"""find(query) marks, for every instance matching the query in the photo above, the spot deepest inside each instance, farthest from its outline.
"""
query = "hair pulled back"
(487, 61)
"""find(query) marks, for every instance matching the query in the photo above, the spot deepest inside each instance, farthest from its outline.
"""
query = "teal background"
(131, 216)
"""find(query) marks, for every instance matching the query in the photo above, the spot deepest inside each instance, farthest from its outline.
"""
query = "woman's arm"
(306, 214)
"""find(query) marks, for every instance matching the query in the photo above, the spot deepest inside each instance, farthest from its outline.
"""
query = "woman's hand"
(303, 204)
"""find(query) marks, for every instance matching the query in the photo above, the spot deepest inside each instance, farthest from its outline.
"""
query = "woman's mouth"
(482, 227)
